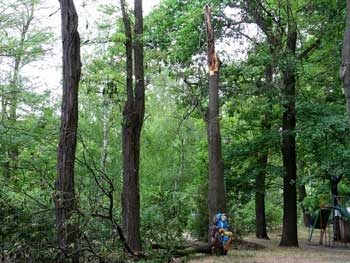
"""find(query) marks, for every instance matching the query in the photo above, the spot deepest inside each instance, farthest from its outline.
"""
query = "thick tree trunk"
(65, 197)
(133, 115)
(289, 233)
(345, 66)
(216, 193)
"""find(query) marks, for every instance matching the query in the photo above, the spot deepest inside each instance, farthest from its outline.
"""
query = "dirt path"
(308, 252)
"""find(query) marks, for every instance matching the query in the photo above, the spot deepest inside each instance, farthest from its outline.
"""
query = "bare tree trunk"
(260, 199)
(334, 181)
(106, 127)
(65, 197)
(289, 232)
(216, 193)
(260, 215)
(345, 66)
(306, 214)
(133, 115)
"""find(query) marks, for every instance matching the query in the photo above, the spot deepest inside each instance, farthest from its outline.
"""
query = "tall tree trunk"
(260, 199)
(65, 201)
(106, 126)
(302, 196)
(289, 233)
(216, 193)
(260, 216)
(273, 34)
(306, 214)
(133, 115)
(13, 152)
(345, 66)
(334, 181)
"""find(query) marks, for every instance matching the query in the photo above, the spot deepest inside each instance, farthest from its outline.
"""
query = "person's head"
(223, 217)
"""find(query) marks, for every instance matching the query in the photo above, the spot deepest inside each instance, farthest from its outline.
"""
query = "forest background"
(253, 44)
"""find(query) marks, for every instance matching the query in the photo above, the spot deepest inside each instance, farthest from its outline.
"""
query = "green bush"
(244, 220)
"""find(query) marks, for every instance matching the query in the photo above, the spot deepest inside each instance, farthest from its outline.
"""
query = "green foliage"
(244, 219)
(166, 209)
(25, 228)
(344, 189)
(177, 29)
(173, 167)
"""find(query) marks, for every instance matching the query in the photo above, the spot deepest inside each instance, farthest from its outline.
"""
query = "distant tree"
(22, 43)
(260, 186)
(345, 65)
(65, 200)
(275, 35)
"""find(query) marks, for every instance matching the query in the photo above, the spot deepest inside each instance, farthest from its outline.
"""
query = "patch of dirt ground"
(252, 250)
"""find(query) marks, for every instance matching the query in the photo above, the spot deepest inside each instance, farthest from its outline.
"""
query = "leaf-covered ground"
(253, 250)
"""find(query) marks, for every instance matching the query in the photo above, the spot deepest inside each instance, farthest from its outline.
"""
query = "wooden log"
(187, 248)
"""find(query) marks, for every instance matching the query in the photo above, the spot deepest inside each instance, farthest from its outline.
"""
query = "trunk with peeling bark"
(65, 201)
(216, 193)
(133, 115)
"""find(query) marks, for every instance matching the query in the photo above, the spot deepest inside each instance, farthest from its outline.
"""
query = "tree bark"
(345, 66)
(187, 249)
(306, 214)
(133, 115)
(334, 181)
(260, 216)
(65, 201)
(289, 232)
(216, 193)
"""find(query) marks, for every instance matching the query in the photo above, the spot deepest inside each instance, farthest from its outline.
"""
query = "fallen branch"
(187, 248)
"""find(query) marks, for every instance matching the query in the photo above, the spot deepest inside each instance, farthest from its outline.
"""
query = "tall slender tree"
(133, 115)
(345, 65)
(260, 215)
(264, 21)
(21, 44)
(216, 193)
(65, 200)
(274, 29)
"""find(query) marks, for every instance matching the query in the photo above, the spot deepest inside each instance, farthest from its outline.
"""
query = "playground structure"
(333, 219)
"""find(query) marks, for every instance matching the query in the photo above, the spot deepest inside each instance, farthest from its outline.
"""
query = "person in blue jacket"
(221, 237)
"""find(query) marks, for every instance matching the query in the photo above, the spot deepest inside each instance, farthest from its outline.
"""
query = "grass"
(308, 252)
